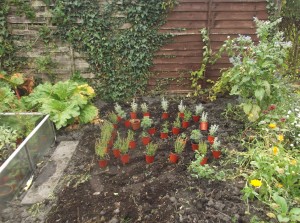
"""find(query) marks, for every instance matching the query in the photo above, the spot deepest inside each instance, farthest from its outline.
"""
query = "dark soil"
(139, 192)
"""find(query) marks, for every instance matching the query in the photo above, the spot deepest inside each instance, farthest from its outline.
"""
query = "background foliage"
(118, 38)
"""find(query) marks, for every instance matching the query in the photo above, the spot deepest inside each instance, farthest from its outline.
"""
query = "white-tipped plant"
(144, 107)
(134, 106)
(120, 112)
(213, 129)
(204, 117)
(164, 104)
(181, 107)
(217, 144)
(199, 109)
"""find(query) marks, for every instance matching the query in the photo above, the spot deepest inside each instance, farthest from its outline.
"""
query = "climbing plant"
(8, 60)
(118, 38)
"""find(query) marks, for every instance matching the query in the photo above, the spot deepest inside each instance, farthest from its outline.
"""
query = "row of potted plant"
(122, 145)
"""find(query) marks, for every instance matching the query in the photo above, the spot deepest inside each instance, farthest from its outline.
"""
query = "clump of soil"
(140, 192)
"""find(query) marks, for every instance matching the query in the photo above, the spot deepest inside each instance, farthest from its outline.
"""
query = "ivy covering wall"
(118, 38)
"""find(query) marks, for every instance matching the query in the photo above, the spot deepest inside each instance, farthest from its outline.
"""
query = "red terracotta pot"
(195, 146)
(132, 145)
(119, 118)
(216, 154)
(115, 126)
(196, 118)
(113, 135)
(165, 115)
(181, 115)
(133, 115)
(163, 135)
(124, 158)
(203, 161)
(152, 131)
(146, 114)
(149, 159)
(185, 124)
(146, 140)
(102, 163)
(127, 123)
(210, 139)
(116, 153)
(203, 126)
(135, 124)
(175, 131)
(173, 158)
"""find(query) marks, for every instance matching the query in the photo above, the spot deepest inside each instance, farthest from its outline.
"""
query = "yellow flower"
(90, 90)
(275, 150)
(272, 125)
(256, 183)
(280, 137)
(293, 162)
(250, 115)
(279, 185)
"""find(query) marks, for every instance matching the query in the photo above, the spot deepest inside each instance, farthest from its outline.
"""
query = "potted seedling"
(212, 133)
(176, 126)
(216, 151)
(124, 156)
(120, 112)
(151, 149)
(198, 110)
(145, 138)
(131, 141)
(203, 150)
(203, 123)
(164, 106)
(101, 151)
(146, 123)
(106, 133)
(179, 146)
(181, 109)
(134, 107)
(195, 137)
(165, 130)
(145, 111)
(117, 146)
(113, 118)
(186, 119)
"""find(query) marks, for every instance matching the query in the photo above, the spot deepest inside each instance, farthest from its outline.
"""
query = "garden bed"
(160, 192)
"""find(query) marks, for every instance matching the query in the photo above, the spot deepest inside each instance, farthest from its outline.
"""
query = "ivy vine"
(118, 38)
(8, 60)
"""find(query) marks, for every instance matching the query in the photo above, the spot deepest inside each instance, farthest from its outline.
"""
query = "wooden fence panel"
(223, 18)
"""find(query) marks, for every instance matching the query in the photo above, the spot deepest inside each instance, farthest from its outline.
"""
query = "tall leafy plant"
(65, 102)
(256, 72)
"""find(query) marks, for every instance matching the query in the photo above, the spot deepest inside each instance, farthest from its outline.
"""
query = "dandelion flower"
(280, 137)
(272, 125)
(293, 162)
(275, 150)
(256, 183)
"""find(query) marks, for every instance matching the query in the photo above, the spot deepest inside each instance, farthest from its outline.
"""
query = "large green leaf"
(88, 113)
(259, 93)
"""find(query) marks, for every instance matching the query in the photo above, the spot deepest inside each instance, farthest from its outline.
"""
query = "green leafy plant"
(196, 136)
(130, 135)
(165, 127)
(216, 146)
(151, 149)
(118, 142)
(146, 123)
(8, 138)
(179, 144)
(134, 106)
(112, 117)
(101, 149)
(65, 102)
(120, 112)
(204, 117)
(204, 171)
(187, 115)
(257, 67)
(124, 146)
(106, 131)
(177, 123)
(203, 148)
